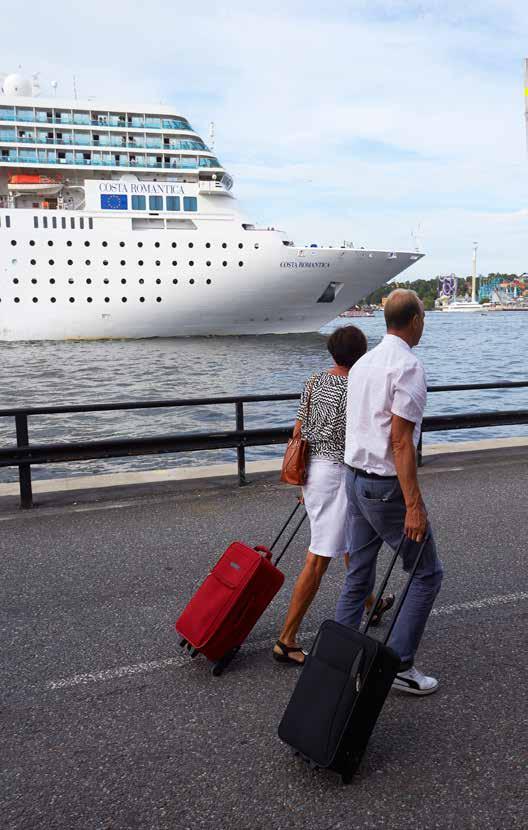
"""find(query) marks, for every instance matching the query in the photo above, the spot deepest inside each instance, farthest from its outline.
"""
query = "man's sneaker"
(414, 682)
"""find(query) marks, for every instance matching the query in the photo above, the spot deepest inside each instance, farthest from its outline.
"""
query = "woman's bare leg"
(305, 589)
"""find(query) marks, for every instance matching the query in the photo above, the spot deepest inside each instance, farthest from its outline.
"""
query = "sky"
(392, 125)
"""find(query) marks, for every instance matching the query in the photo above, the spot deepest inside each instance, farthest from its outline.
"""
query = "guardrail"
(25, 454)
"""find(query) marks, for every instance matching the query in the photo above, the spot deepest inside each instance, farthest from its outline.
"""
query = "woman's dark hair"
(346, 345)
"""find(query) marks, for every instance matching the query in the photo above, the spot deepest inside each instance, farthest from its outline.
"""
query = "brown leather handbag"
(295, 462)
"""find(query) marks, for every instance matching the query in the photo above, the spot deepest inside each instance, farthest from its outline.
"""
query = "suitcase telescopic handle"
(294, 533)
(263, 549)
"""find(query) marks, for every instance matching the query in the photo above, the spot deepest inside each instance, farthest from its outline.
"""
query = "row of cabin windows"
(7, 221)
(93, 117)
(104, 244)
(155, 203)
(88, 299)
(106, 281)
(140, 262)
(53, 222)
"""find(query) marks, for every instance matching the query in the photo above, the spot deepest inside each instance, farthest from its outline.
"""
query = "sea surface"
(456, 348)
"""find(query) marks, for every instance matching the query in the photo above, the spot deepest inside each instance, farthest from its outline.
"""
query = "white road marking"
(182, 660)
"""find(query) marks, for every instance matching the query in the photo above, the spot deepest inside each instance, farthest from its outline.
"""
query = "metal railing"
(25, 453)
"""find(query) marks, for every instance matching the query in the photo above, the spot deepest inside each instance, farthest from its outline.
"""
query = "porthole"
(34, 281)
(174, 244)
(69, 243)
(240, 264)
(191, 244)
(140, 244)
(208, 263)
(71, 281)
(105, 262)
(141, 299)
(87, 244)
(123, 281)
(175, 282)
(87, 262)
(106, 281)
(72, 299)
(256, 245)
(174, 262)
(208, 282)
(32, 242)
(13, 242)
(141, 281)
(88, 299)
(191, 282)
(52, 281)
(156, 244)
(207, 244)
(224, 263)
(50, 242)
(158, 282)
(33, 261)
(35, 299)
(240, 245)
(53, 300)
(140, 262)
(123, 262)
(158, 262)
(52, 262)
(17, 299)
(191, 262)
(104, 244)
(121, 244)
(15, 280)
(123, 299)
(88, 281)
(107, 299)
(224, 244)
(158, 299)
(70, 262)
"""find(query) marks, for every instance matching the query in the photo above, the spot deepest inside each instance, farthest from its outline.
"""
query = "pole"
(241, 451)
(24, 470)
(474, 277)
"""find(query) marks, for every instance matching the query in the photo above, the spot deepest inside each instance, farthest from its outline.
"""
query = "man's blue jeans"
(376, 514)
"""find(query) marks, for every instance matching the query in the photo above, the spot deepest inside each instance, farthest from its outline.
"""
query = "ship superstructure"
(121, 222)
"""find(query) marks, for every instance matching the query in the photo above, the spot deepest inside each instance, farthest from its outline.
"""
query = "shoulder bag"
(295, 462)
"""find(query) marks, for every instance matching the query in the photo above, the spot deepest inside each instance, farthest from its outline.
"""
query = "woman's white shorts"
(326, 504)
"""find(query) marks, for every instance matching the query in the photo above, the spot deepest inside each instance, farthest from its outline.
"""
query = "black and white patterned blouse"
(326, 424)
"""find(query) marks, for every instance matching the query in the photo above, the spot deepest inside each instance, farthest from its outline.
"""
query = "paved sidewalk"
(106, 725)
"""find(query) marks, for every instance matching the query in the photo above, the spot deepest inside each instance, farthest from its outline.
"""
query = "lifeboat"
(41, 185)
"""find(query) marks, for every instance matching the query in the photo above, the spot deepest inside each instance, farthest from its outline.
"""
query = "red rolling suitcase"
(233, 596)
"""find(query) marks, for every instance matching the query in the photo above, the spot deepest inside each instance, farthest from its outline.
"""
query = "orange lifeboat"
(24, 183)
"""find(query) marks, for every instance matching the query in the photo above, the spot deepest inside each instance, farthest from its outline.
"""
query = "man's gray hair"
(401, 306)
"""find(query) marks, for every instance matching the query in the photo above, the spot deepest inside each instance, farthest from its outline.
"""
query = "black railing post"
(419, 451)
(241, 450)
(24, 470)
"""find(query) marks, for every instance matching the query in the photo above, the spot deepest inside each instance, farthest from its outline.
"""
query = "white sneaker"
(414, 682)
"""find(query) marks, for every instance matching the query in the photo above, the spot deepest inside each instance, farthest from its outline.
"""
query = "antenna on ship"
(211, 135)
(54, 86)
(74, 87)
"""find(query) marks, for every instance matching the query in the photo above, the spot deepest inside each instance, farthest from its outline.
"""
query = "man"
(385, 405)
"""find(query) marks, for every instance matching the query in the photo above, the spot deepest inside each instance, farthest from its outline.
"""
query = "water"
(456, 348)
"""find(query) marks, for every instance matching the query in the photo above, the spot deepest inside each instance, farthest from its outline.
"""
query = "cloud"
(357, 120)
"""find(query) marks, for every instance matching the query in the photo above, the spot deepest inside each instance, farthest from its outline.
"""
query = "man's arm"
(405, 462)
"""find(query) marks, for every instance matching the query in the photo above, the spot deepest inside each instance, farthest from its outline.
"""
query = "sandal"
(284, 656)
(384, 604)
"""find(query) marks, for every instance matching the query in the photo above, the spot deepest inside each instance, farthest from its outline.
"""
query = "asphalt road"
(106, 725)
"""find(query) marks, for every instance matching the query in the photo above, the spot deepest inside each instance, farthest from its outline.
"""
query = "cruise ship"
(122, 223)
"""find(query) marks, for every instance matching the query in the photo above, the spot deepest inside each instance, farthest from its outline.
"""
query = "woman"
(322, 421)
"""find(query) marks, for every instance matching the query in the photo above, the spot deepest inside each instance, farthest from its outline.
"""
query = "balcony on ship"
(69, 158)
(95, 118)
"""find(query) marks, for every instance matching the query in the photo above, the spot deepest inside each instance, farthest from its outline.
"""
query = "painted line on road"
(183, 660)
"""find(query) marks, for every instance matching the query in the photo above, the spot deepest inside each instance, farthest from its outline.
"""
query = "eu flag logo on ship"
(114, 201)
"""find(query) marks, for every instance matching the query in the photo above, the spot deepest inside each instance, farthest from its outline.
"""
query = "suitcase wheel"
(183, 643)
(224, 661)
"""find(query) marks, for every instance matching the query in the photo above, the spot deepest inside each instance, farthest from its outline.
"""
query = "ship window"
(44, 221)
(35, 221)
(50, 242)
(158, 262)
(87, 261)
(90, 223)
(33, 261)
(88, 281)
(256, 245)
(35, 299)
(88, 299)
(175, 282)
(174, 262)
(104, 244)
(13, 242)
(31, 242)
(224, 244)
(240, 264)
(107, 299)
(34, 281)
(70, 280)
(69, 243)
(70, 262)
(140, 244)
(54, 222)
(141, 299)
(52, 262)
(190, 203)
(330, 293)
(8, 221)
(87, 244)
(52, 281)
(140, 262)
(123, 299)
(53, 300)
(72, 223)
(141, 281)
(208, 263)
(63, 223)
(106, 281)
(240, 245)
(81, 223)
(123, 262)
(191, 282)
(191, 244)
(17, 299)
(158, 282)
(156, 244)
(72, 299)
(15, 280)
(224, 263)
(121, 244)
(207, 244)
(208, 282)
(105, 262)
(174, 244)
(158, 299)
(123, 281)
(191, 262)
(139, 202)
(173, 202)
(155, 203)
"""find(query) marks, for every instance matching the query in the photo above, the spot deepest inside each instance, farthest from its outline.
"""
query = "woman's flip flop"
(384, 604)
(286, 651)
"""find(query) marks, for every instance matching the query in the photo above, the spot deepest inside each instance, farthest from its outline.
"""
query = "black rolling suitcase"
(341, 690)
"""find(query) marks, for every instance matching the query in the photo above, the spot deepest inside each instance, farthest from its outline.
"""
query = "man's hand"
(415, 522)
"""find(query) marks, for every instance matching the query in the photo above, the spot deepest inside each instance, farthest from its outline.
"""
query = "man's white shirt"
(387, 381)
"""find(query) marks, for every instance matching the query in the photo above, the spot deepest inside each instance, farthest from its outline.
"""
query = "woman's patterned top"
(326, 424)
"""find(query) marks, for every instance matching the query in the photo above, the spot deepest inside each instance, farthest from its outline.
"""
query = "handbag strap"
(309, 399)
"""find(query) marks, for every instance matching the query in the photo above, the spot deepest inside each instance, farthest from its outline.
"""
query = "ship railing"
(26, 453)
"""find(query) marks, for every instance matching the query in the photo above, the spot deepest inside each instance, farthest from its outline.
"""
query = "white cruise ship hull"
(108, 281)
